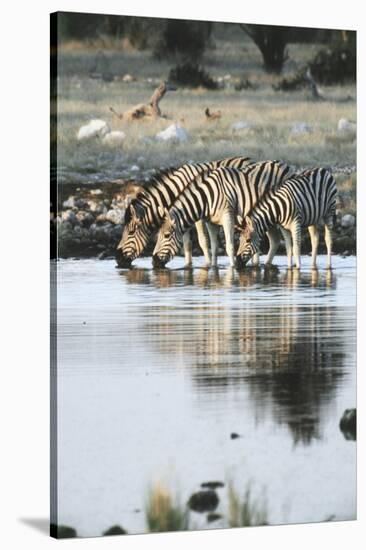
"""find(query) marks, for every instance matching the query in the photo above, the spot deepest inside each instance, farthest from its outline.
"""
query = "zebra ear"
(240, 220)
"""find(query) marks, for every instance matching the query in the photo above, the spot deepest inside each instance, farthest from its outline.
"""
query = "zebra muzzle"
(241, 261)
(121, 260)
(158, 262)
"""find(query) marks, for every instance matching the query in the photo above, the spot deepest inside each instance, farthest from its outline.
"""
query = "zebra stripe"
(305, 200)
(218, 196)
(143, 215)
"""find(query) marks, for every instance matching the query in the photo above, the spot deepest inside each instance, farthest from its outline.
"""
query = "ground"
(274, 117)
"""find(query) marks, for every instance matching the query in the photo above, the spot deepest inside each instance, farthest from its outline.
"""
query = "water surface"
(156, 370)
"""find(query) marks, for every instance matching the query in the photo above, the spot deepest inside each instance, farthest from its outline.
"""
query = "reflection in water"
(283, 349)
(156, 368)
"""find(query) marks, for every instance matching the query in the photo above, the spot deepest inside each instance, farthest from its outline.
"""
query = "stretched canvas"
(203, 275)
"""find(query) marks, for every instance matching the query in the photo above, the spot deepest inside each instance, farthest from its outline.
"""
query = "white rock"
(301, 128)
(345, 125)
(95, 128)
(241, 125)
(348, 220)
(116, 215)
(134, 168)
(172, 133)
(96, 192)
(68, 216)
(69, 203)
(116, 137)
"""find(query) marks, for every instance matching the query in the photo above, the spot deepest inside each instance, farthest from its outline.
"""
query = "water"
(156, 369)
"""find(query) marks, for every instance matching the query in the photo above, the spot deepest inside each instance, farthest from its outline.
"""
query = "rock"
(85, 218)
(96, 206)
(69, 216)
(346, 126)
(234, 435)
(203, 501)
(300, 128)
(128, 78)
(114, 138)
(115, 530)
(241, 125)
(95, 128)
(348, 220)
(212, 485)
(69, 203)
(134, 168)
(96, 192)
(62, 531)
(348, 424)
(172, 133)
(116, 215)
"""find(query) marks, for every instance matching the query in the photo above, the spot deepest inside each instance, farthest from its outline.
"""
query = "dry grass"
(163, 513)
(271, 114)
(245, 512)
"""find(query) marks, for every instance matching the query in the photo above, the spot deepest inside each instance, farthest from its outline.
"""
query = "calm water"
(157, 369)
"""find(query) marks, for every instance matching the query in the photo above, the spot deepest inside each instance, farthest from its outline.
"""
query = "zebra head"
(168, 242)
(135, 235)
(249, 241)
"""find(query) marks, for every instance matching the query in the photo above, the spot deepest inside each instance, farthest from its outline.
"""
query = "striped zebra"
(306, 200)
(218, 197)
(143, 215)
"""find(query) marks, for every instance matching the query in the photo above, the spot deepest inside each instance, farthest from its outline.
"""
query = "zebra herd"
(239, 194)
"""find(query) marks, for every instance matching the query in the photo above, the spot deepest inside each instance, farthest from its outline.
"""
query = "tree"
(272, 42)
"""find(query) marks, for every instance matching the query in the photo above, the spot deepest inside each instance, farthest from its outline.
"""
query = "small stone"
(115, 530)
(203, 501)
(116, 216)
(234, 435)
(348, 424)
(69, 203)
(69, 216)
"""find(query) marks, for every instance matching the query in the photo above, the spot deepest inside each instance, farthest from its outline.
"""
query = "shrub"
(191, 75)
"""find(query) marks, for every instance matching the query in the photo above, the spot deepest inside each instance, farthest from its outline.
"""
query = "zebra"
(306, 200)
(217, 197)
(143, 217)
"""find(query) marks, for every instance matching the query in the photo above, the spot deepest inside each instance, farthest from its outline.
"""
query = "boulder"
(348, 424)
(174, 132)
(348, 221)
(346, 126)
(95, 128)
(241, 125)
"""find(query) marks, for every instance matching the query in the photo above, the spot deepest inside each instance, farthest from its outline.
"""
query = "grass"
(163, 513)
(245, 512)
(272, 114)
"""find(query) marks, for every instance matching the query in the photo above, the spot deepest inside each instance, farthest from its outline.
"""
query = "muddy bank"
(88, 222)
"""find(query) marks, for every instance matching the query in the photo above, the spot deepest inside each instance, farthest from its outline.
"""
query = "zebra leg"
(228, 225)
(314, 236)
(203, 241)
(274, 238)
(255, 260)
(187, 245)
(288, 243)
(328, 241)
(213, 231)
(296, 243)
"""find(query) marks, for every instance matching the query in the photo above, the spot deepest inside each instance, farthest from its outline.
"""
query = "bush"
(191, 75)
(335, 65)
